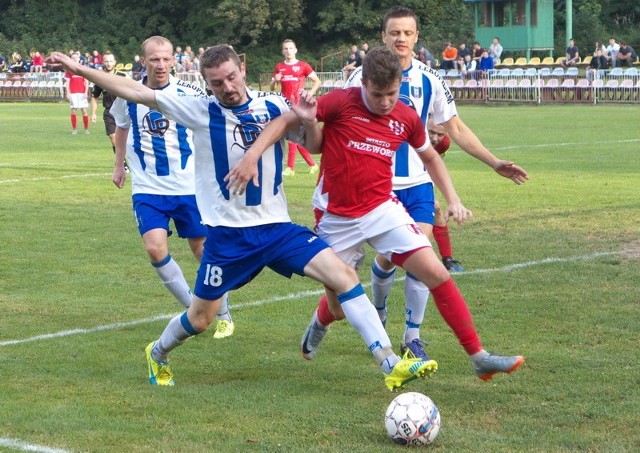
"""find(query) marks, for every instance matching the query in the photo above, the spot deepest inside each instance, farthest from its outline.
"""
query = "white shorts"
(79, 101)
(389, 229)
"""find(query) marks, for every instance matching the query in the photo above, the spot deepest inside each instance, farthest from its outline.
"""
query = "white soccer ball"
(412, 419)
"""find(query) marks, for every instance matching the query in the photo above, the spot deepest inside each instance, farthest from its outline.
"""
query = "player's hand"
(278, 77)
(244, 171)
(94, 118)
(511, 171)
(60, 58)
(119, 177)
(458, 213)
(306, 107)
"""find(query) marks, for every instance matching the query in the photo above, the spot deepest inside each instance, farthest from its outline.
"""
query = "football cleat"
(74, 132)
(159, 372)
(415, 348)
(494, 363)
(314, 169)
(452, 265)
(407, 370)
(288, 172)
(312, 337)
(224, 329)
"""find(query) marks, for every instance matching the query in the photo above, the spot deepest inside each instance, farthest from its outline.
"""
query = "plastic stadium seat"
(613, 83)
(552, 83)
(615, 72)
(504, 72)
(568, 83)
(520, 61)
(548, 61)
(497, 83)
(472, 83)
(511, 83)
(572, 72)
(534, 61)
(557, 72)
(626, 83)
(631, 72)
(545, 72)
(453, 73)
(442, 72)
(517, 72)
(582, 83)
(531, 72)
(598, 83)
(458, 83)
(524, 83)
(507, 62)
(587, 60)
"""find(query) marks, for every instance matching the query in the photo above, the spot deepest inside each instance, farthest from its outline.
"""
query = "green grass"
(72, 259)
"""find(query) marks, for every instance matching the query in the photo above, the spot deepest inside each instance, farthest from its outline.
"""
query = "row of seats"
(543, 72)
(26, 88)
(547, 61)
(549, 83)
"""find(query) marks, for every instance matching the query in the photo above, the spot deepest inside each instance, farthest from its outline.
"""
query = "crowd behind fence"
(518, 85)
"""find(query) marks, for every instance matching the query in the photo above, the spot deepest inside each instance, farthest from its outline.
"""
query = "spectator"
(179, 55)
(612, 52)
(18, 64)
(449, 57)
(486, 62)
(85, 59)
(195, 64)
(350, 66)
(96, 60)
(468, 67)
(137, 69)
(573, 55)
(597, 66)
(365, 48)
(425, 56)
(3, 64)
(36, 62)
(600, 45)
(626, 55)
(477, 52)
(495, 50)
(188, 53)
(463, 51)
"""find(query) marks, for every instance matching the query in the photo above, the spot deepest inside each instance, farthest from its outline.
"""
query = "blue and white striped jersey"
(221, 136)
(159, 151)
(426, 92)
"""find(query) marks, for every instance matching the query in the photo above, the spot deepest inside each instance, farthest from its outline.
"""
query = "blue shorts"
(419, 201)
(233, 257)
(155, 211)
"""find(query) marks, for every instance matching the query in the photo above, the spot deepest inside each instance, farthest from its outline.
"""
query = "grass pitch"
(551, 273)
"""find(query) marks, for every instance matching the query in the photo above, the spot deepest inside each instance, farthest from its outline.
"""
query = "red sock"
(441, 235)
(291, 157)
(456, 314)
(306, 155)
(85, 121)
(324, 315)
(74, 121)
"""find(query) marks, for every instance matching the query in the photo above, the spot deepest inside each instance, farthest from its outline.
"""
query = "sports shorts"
(109, 122)
(389, 229)
(419, 201)
(155, 211)
(233, 257)
(78, 101)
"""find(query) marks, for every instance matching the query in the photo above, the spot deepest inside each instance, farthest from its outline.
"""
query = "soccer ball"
(412, 419)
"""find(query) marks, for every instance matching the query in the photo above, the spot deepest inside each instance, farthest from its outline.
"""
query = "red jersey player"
(363, 127)
(77, 91)
(291, 74)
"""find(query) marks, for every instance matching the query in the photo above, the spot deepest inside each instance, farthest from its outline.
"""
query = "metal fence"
(546, 85)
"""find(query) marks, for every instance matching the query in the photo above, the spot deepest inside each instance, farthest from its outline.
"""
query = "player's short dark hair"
(214, 56)
(381, 67)
(399, 11)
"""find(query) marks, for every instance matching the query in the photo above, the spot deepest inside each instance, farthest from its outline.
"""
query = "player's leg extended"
(426, 266)
(383, 274)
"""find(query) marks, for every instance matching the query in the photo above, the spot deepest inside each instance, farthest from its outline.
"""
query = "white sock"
(173, 279)
(363, 317)
(416, 295)
(381, 283)
(178, 330)
(223, 313)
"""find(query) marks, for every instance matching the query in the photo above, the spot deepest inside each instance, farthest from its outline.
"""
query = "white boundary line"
(291, 296)
(16, 444)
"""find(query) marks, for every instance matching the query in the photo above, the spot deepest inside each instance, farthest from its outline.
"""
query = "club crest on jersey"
(416, 92)
(155, 124)
(396, 127)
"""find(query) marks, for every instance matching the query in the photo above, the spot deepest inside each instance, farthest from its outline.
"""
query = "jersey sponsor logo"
(155, 124)
(396, 127)
(372, 146)
(360, 118)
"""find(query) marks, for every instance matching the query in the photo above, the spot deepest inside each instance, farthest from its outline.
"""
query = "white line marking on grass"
(551, 145)
(86, 175)
(301, 294)
(24, 446)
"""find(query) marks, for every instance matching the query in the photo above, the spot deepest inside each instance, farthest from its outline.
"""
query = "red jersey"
(293, 77)
(76, 84)
(357, 150)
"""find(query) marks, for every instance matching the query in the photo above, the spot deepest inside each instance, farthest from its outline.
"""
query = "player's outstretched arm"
(123, 87)
(471, 144)
(440, 175)
(247, 168)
